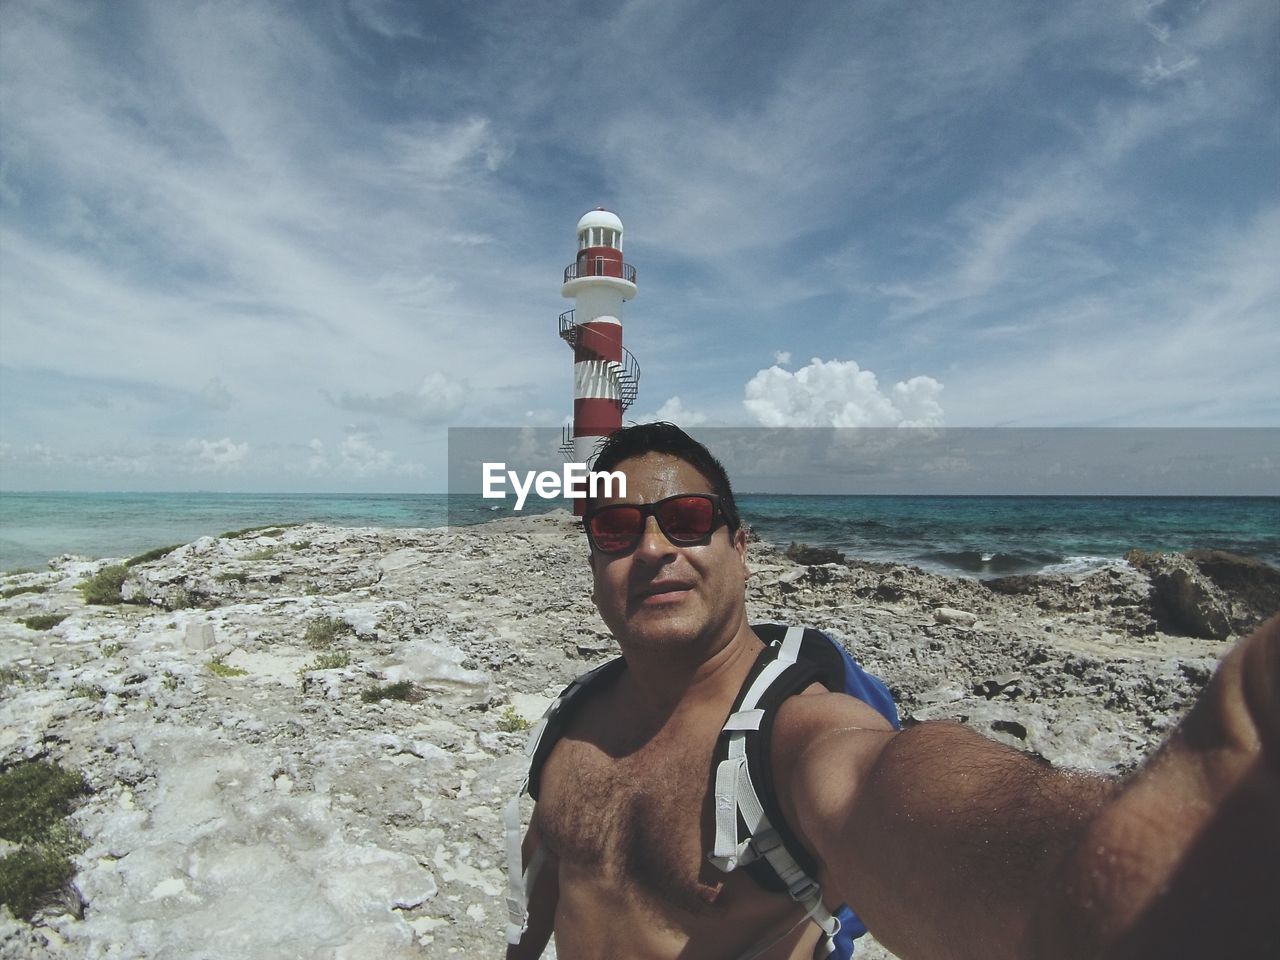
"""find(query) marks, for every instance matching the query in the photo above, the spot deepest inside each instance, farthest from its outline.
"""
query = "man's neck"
(664, 680)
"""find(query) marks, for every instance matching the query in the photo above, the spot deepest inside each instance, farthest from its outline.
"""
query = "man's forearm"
(951, 838)
(1183, 861)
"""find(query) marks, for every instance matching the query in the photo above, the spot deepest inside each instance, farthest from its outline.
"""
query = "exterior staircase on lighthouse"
(625, 374)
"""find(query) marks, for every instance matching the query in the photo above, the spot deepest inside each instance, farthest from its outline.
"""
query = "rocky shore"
(298, 740)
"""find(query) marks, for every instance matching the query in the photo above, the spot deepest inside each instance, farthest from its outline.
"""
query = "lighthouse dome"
(599, 228)
(599, 217)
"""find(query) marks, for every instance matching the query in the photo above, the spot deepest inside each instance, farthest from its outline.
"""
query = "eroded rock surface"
(256, 795)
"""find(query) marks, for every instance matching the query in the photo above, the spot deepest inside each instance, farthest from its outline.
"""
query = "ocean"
(978, 536)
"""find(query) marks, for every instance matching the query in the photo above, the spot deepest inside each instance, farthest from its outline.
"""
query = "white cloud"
(838, 393)
(436, 400)
(782, 358)
(389, 18)
(674, 411)
(216, 396)
(221, 456)
(360, 456)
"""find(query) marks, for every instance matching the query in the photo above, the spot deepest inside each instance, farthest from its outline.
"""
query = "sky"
(252, 246)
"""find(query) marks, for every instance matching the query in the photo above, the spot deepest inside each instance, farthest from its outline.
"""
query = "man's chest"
(640, 821)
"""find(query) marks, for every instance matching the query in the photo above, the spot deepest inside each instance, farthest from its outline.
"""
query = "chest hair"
(641, 821)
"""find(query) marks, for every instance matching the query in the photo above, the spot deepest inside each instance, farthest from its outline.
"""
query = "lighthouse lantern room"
(606, 376)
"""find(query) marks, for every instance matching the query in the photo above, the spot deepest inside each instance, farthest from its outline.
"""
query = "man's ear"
(740, 543)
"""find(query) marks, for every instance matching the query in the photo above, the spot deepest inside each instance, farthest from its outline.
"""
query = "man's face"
(662, 594)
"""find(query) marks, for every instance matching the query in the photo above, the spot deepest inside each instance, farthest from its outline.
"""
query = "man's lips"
(659, 591)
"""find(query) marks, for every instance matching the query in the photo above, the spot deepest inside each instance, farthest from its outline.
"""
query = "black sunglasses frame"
(647, 510)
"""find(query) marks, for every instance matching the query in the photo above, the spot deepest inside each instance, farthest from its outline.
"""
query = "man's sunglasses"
(687, 519)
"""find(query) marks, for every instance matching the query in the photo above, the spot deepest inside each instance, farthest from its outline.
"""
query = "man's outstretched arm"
(951, 845)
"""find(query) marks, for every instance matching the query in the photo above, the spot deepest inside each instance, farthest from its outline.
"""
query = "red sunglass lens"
(617, 528)
(686, 519)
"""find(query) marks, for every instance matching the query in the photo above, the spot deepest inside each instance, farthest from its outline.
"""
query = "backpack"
(750, 830)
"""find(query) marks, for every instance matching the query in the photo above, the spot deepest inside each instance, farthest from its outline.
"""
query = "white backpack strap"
(517, 881)
(736, 795)
(734, 791)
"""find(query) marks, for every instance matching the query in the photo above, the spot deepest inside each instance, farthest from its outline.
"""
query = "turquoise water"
(977, 536)
(996, 536)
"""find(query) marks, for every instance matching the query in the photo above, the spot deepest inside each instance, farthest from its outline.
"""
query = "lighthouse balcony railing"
(599, 267)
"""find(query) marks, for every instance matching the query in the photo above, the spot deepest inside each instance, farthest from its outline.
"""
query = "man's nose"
(653, 544)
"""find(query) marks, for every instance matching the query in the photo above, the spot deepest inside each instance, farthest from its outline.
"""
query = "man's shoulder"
(819, 711)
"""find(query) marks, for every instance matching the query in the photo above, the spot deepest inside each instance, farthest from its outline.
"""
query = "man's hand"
(1186, 860)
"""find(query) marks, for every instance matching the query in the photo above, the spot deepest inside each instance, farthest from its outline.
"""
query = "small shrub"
(18, 591)
(266, 553)
(300, 545)
(220, 669)
(400, 690)
(9, 675)
(170, 682)
(266, 530)
(32, 876)
(324, 632)
(181, 600)
(110, 649)
(328, 661)
(104, 586)
(34, 799)
(237, 576)
(43, 621)
(511, 722)
(34, 796)
(87, 690)
(150, 555)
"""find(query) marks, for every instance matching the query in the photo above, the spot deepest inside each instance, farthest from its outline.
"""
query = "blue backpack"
(750, 830)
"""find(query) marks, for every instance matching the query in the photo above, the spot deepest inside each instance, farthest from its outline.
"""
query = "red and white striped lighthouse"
(606, 375)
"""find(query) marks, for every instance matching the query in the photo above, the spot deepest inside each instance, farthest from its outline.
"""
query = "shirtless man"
(947, 844)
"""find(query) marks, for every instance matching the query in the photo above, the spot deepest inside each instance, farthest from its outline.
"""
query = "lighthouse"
(606, 375)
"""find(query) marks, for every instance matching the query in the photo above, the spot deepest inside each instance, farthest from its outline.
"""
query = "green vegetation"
(511, 722)
(323, 633)
(150, 555)
(220, 669)
(300, 545)
(266, 530)
(18, 591)
(328, 661)
(110, 649)
(104, 586)
(238, 576)
(266, 553)
(401, 690)
(43, 621)
(87, 690)
(9, 675)
(182, 600)
(170, 682)
(17, 572)
(35, 797)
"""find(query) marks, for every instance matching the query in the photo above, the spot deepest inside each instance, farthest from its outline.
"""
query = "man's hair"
(661, 437)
